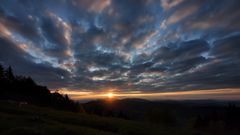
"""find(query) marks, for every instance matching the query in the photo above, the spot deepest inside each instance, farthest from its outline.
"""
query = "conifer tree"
(1, 72)
(9, 74)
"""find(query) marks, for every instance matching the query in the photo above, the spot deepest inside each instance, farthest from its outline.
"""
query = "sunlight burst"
(110, 95)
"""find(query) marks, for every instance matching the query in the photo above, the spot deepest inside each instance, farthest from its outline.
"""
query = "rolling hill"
(17, 119)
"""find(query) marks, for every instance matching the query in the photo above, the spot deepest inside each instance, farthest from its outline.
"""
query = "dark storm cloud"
(227, 48)
(221, 70)
(11, 54)
(205, 19)
(182, 51)
(147, 45)
(25, 25)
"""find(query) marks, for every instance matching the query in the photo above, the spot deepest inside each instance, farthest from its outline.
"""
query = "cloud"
(180, 14)
(222, 12)
(143, 45)
(168, 4)
(11, 54)
(215, 72)
(227, 48)
(4, 31)
(93, 5)
(185, 50)
(26, 27)
(219, 20)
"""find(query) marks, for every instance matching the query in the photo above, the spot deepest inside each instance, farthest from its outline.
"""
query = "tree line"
(25, 89)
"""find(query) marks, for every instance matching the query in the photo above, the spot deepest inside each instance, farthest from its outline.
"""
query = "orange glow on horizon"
(110, 95)
(215, 94)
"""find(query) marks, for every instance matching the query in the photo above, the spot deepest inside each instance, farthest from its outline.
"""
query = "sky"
(136, 48)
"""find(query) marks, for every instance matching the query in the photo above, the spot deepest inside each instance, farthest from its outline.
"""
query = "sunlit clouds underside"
(216, 94)
(143, 48)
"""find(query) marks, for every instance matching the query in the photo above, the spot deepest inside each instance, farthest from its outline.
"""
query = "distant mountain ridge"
(171, 111)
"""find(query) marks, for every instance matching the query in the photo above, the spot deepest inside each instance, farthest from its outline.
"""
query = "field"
(18, 119)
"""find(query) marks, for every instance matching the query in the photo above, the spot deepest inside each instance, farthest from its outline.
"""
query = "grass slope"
(33, 120)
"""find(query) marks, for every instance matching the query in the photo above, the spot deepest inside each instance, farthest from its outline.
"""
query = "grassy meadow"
(25, 119)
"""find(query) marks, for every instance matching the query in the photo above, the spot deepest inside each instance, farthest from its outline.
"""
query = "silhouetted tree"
(232, 116)
(1, 72)
(21, 88)
(66, 97)
(9, 74)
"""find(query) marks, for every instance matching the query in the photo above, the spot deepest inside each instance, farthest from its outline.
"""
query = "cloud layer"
(140, 45)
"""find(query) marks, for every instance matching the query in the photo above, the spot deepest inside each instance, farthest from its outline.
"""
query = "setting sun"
(110, 95)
